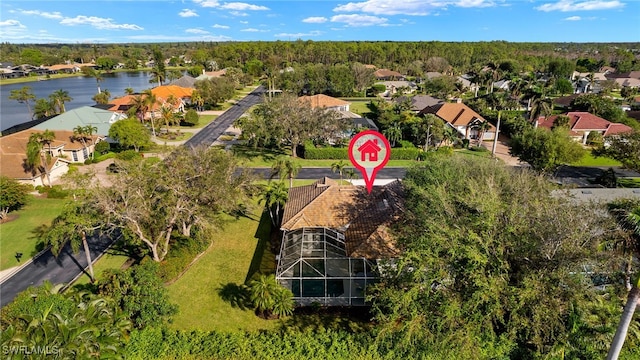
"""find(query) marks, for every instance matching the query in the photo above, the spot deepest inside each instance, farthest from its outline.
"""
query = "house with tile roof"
(334, 239)
(64, 149)
(581, 124)
(388, 75)
(342, 107)
(462, 118)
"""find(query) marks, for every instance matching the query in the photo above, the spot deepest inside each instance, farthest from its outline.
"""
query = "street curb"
(17, 269)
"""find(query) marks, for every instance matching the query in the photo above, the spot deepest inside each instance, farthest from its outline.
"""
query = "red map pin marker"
(369, 152)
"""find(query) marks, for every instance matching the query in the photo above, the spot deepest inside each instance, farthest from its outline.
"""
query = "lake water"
(80, 88)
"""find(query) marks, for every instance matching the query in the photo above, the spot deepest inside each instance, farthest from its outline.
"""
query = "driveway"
(502, 151)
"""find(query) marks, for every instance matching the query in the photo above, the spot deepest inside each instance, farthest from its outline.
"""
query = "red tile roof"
(322, 100)
(581, 121)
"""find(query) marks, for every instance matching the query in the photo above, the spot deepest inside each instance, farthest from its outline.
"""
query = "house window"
(75, 155)
(85, 153)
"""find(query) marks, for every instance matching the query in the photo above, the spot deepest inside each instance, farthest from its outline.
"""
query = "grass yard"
(360, 107)
(110, 260)
(629, 182)
(175, 137)
(21, 235)
(211, 294)
(589, 160)
(265, 157)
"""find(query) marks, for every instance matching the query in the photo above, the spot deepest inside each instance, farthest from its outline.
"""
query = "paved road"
(592, 171)
(211, 132)
(317, 173)
(58, 270)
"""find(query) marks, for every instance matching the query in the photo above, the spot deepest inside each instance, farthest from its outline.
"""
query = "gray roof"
(419, 102)
(83, 116)
(185, 81)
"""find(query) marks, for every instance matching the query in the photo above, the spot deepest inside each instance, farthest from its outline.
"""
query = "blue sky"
(27, 21)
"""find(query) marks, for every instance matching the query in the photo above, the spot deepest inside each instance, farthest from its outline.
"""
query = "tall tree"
(339, 167)
(59, 97)
(13, 196)
(130, 133)
(545, 150)
(23, 95)
(151, 102)
(37, 159)
(285, 167)
(77, 222)
(274, 196)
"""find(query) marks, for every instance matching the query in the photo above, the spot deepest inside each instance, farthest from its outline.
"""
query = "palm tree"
(36, 159)
(350, 174)
(102, 98)
(540, 107)
(283, 303)
(274, 196)
(197, 99)
(393, 133)
(449, 134)
(269, 297)
(285, 166)
(631, 220)
(128, 91)
(167, 115)
(23, 95)
(43, 108)
(59, 97)
(151, 100)
(79, 132)
(482, 128)
(139, 105)
(339, 168)
(72, 226)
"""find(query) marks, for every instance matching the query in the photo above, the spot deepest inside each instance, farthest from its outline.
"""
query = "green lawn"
(265, 157)
(109, 260)
(20, 235)
(629, 182)
(183, 136)
(210, 295)
(589, 160)
(359, 107)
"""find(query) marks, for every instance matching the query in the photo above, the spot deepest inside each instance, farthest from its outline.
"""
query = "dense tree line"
(400, 56)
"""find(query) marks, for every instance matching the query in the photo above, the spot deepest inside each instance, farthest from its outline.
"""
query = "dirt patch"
(9, 218)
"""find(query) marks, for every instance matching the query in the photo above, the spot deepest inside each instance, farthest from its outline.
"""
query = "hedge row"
(330, 153)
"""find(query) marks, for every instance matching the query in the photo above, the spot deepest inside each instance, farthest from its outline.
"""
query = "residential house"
(185, 81)
(83, 116)
(342, 107)
(462, 118)
(418, 102)
(588, 82)
(581, 124)
(65, 68)
(399, 86)
(64, 149)
(206, 75)
(388, 75)
(162, 93)
(335, 239)
(501, 85)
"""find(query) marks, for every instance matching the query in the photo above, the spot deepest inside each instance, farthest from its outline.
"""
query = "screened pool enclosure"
(314, 265)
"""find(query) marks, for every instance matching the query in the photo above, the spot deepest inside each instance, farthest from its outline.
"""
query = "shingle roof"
(362, 217)
(322, 100)
(420, 102)
(13, 150)
(185, 81)
(165, 91)
(385, 73)
(82, 116)
(456, 114)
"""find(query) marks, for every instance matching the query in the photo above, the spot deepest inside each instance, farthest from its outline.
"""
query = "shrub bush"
(191, 118)
(53, 192)
(405, 144)
(479, 148)
(311, 152)
(128, 155)
(102, 147)
(183, 251)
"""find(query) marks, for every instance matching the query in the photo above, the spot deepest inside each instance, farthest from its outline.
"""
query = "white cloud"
(217, 26)
(236, 6)
(98, 23)
(409, 7)
(207, 3)
(48, 15)
(12, 23)
(196, 31)
(244, 22)
(254, 30)
(152, 38)
(573, 18)
(238, 13)
(315, 20)
(573, 5)
(298, 35)
(187, 13)
(356, 20)
(242, 6)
